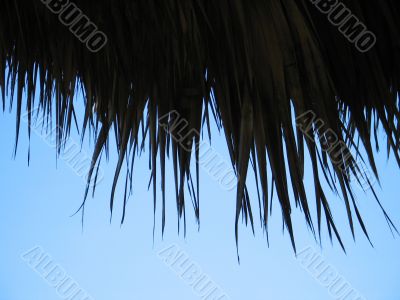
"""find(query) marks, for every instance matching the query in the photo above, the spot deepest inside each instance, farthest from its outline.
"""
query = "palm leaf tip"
(253, 65)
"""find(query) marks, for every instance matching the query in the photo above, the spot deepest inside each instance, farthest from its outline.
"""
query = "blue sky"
(109, 261)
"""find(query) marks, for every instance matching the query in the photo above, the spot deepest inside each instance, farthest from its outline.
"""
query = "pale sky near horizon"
(109, 261)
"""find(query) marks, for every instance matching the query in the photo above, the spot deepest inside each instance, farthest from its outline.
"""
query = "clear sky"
(108, 261)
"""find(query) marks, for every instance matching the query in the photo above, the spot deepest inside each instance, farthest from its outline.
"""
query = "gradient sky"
(110, 261)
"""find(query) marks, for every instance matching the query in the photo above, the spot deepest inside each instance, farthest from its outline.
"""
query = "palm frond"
(253, 64)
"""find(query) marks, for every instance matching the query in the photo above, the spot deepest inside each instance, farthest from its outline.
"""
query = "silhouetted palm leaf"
(255, 64)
